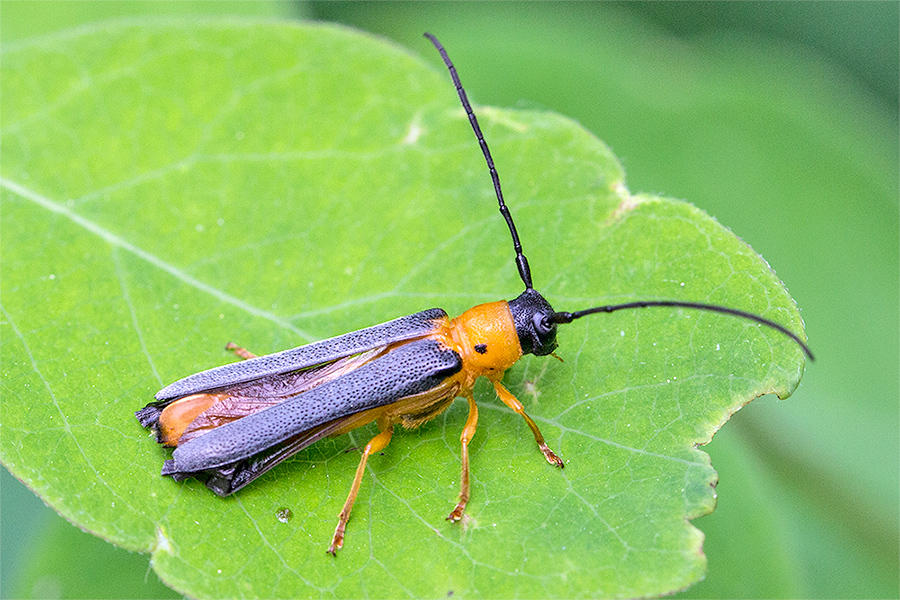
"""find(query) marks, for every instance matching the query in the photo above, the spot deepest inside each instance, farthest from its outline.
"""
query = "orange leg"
(377, 444)
(512, 402)
(467, 433)
(242, 352)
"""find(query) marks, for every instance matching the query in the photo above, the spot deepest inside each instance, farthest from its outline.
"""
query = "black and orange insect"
(231, 424)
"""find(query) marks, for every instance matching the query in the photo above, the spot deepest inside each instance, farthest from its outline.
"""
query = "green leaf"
(167, 188)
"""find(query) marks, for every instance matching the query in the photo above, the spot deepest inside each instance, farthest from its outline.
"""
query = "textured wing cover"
(405, 328)
(410, 369)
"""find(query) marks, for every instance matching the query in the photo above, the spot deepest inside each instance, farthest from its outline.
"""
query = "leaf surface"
(167, 188)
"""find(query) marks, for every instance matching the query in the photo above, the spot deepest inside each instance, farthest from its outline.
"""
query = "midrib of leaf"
(117, 242)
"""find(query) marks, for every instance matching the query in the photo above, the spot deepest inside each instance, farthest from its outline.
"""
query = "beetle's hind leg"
(242, 352)
(376, 444)
(513, 402)
(467, 433)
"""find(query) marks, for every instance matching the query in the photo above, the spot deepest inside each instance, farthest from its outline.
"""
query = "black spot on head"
(480, 348)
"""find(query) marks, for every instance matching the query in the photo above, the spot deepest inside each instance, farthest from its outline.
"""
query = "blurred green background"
(780, 119)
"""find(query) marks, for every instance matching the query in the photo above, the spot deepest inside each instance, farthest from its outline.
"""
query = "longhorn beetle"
(231, 424)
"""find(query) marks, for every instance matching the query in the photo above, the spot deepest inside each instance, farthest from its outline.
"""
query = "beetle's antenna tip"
(521, 261)
(563, 317)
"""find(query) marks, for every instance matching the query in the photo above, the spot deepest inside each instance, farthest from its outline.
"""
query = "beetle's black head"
(534, 324)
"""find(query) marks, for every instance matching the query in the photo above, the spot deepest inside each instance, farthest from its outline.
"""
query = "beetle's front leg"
(513, 402)
(467, 433)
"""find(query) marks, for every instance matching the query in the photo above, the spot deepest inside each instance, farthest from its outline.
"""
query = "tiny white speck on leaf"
(415, 130)
(162, 541)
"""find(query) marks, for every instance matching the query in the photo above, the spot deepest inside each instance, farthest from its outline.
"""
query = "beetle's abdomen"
(410, 369)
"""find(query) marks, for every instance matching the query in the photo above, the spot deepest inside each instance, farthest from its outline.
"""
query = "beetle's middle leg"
(376, 444)
(467, 433)
(513, 402)
(242, 352)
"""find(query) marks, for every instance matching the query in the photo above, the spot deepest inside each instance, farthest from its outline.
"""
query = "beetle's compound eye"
(544, 329)
(480, 348)
(542, 324)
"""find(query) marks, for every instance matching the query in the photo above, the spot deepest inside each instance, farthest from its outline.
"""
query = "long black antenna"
(521, 261)
(568, 317)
